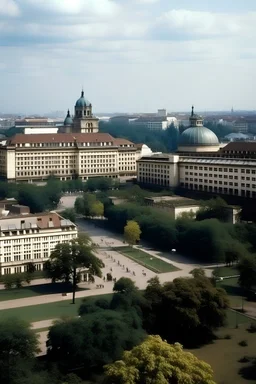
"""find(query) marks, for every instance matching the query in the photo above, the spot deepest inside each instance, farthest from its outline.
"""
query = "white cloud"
(76, 7)
(9, 8)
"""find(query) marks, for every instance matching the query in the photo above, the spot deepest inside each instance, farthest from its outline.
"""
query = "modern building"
(154, 123)
(202, 164)
(31, 239)
(78, 150)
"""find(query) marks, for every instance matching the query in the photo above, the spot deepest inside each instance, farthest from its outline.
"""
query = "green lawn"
(47, 311)
(145, 259)
(224, 355)
(35, 290)
(226, 271)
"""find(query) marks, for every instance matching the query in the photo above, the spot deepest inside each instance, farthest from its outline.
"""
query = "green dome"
(82, 102)
(198, 136)
(68, 120)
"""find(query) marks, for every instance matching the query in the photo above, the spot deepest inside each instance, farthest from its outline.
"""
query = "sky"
(127, 55)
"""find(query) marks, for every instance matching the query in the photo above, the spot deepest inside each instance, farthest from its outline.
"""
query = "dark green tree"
(93, 340)
(187, 310)
(247, 270)
(18, 346)
(68, 258)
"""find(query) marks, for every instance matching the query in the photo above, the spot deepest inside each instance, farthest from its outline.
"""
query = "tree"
(18, 346)
(247, 269)
(69, 214)
(97, 209)
(193, 307)
(124, 285)
(68, 259)
(93, 340)
(132, 232)
(156, 361)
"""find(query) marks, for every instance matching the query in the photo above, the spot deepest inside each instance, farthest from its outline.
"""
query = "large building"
(202, 164)
(31, 239)
(78, 150)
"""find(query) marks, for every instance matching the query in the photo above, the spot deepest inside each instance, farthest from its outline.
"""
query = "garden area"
(146, 260)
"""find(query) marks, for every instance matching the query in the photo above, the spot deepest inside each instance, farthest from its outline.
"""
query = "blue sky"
(128, 55)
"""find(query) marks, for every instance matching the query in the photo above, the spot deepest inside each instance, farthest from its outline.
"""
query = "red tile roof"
(60, 138)
(118, 141)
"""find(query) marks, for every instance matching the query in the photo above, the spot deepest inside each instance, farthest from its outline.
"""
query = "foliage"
(207, 240)
(69, 214)
(214, 209)
(243, 343)
(124, 285)
(247, 269)
(18, 345)
(92, 340)
(14, 280)
(193, 307)
(89, 306)
(132, 232)
(68, 258)
(99, 184)
(88, 205)
(156, 361)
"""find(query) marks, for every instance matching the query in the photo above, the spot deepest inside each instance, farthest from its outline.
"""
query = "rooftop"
(41, 221)
(240, 146)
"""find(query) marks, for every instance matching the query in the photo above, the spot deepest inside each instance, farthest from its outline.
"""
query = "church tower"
(84, 121)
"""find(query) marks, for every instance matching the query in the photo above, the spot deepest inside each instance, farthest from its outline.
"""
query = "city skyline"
(132, 56)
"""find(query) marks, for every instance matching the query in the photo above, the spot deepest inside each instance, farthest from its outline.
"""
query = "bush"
(243, 343)
(244, 359)
(227, 337)
(252, 328)
(9, 281)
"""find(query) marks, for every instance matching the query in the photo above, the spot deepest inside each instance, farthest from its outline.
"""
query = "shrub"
(227, 337)
(243, 343)
(244, 359)
(252, 328)
(9, 281)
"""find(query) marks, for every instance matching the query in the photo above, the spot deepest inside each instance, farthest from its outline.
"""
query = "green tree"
(69, 214)
(156, 361)
(68, 258)
(97, 209)
(124, 285)
(247, 269)
(18, 346)
(132, 232)
(92, 340)
(193, 307)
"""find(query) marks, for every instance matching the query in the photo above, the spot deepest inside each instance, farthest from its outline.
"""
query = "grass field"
(226, 271)
(224, 355)
(148, 261)
(233, 290)
(47, 311)
(35, 290)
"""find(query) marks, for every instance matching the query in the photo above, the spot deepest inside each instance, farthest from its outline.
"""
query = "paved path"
(115, 263)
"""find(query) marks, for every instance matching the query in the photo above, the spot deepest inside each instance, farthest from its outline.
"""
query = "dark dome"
(82, 102)
(68, 120)
(197, 136)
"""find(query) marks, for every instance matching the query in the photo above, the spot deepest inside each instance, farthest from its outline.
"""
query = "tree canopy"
(67, 259)
(156, 361)
(132, 232)
(187, 309)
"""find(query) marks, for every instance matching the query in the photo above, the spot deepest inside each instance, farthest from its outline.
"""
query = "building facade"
(32, 158)
(31, 239)
(77, 150)
(201, 164)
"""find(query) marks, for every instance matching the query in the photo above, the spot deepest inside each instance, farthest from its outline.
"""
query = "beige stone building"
(33, 158)
(31, 239)
(201, 164)
(78, 150)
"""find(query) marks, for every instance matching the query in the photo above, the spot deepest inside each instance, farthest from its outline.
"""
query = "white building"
(154, 123)
(31, 239)
(201, 164)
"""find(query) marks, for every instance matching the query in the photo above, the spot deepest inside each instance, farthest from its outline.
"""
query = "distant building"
(154, 123)
(202, 164)
(31, 239)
